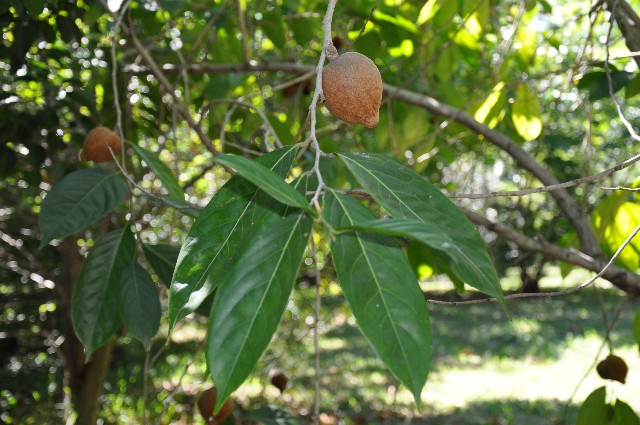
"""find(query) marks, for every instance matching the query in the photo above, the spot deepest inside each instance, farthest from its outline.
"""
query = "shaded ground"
(486, 369)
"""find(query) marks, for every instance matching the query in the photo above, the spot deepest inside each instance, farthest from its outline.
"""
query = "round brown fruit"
(352, 88)
(613, 368)
(278, 379)
(206, 404)
(96, 145)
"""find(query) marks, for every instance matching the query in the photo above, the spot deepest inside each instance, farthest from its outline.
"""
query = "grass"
(485, 369)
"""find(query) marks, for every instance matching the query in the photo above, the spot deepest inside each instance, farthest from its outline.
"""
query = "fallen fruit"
(96, 145)
(352, 88)
(206, 404)
(613, 368)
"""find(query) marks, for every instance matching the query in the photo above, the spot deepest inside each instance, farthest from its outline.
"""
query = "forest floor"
(486, 369)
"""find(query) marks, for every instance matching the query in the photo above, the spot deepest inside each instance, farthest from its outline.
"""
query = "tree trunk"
(84, 378)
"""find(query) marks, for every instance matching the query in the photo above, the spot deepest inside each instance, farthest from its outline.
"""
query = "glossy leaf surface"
(95, 312)
(248, 307)
(265, 179)
(139, 303)
(383, 293)
(78, 200)
(406, 195)
(215, 237)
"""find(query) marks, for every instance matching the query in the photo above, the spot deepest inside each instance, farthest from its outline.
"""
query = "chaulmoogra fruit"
(613, 368)
(352, 88)
(96, 145)
(206, 404)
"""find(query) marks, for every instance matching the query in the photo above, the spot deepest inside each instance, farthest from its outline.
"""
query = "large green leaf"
(78, 200)
(526, 114)
(162, 172)
(594, 409)
(407, 195)
(249, 305)
(139, 303)
(383, 293)
(162, 258)
(433, 236)
(214, 238)
(95, 312)
(265, 179)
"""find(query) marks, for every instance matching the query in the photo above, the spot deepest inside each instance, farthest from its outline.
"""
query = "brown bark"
(629, 23)
(84, 378)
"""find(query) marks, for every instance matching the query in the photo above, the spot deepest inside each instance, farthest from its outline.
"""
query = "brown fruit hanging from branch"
(206, 404)
(278, 379)
(96, 145)
(613, 368)
(352, 88)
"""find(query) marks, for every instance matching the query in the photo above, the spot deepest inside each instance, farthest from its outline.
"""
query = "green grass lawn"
(486, 369)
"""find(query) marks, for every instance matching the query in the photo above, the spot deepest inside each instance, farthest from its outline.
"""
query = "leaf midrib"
(364, 254)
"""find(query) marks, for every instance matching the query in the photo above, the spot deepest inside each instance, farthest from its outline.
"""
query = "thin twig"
(628, 189)
(552, 187)
(327, 50)
(548, 294)
(316, 340)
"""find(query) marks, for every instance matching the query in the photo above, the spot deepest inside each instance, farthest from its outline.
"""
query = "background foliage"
(187, 80)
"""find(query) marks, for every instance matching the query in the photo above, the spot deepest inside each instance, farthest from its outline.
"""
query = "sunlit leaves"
(383, 293)
(95, 311)
(78, 200)
(249, 306)
(635, 328)
(526, 114)
(491, 110)
(613, 220)
(428, 11)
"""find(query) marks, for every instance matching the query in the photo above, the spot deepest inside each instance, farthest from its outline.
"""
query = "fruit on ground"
(352, 88)
(96, 145)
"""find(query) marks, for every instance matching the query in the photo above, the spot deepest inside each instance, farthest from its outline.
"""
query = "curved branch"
(623, 279)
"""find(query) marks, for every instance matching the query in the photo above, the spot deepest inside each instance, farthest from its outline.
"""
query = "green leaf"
(162, 172)
(594, 409)
(491, 110)
(633, 88)
(623, 414)
(383, 293)
(459, 257)
(249, 305)
(213, 240)
(405, 194)
(266, 180)
(428, 11)
(139, 304)
(162, 258)
(526, 114)
(78, 200)
(613, 221)
(95, 311)
(597, 83)
(271, 415)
